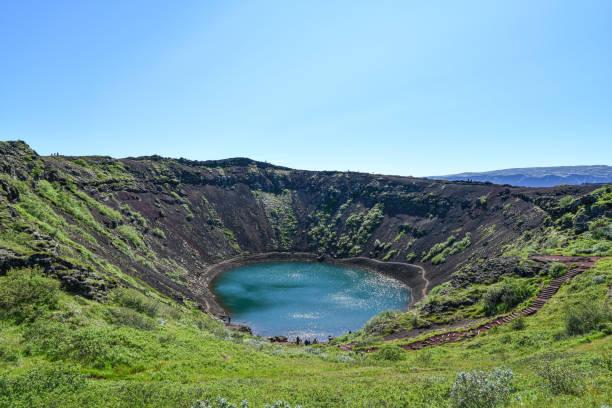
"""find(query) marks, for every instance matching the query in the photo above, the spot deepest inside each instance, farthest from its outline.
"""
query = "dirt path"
(426, 287)
(576, 265)
(457, 325)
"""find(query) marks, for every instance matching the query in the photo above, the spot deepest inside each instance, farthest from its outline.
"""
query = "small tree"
(480, 389)
(559, 377)
(556, 269)
(586, 316)
(25, 294)
(501, 298)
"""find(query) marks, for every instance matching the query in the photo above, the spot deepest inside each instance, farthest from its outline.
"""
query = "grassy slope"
(558, 238)
(86, 353)
(192, 356)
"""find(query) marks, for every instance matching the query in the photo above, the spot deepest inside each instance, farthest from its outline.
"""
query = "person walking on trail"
(297, 341)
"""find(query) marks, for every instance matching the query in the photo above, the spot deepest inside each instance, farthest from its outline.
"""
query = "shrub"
(218, 403)
(566, 201)
(381, 322)
(479, 389)
(556, 269)
(389, 353)
(518, 323)
(98, 347)
(566, 220)
(586, 316)
(501, 298)
(597, 279)
(390, 254)
(601, 229)
(559, 377)
(442, 250)
(367, 341)
(8, 355)
(482, 200)
(223, 403)
(372, 219)
(25, 294)
(123, 316)
(601, 248)
(281, 404)
(102, 209)
(158, 233)
(43, 385)
(81, 162)
(131, 235)
(551, 242)
(440, 289)
(424, 356)
(135, 300)
(439, 247)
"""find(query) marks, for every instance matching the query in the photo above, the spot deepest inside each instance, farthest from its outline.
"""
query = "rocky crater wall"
(169, 223)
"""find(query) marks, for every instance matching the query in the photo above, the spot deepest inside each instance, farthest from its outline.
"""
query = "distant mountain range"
(539, 176)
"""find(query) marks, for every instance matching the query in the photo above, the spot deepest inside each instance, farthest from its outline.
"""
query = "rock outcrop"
(97, 221)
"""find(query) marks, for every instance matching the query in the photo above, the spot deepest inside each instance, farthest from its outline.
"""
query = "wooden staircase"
(576, 265)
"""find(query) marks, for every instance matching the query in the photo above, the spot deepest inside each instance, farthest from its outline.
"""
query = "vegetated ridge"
(105, 263)
(575, 264)
(539, 176)
(165, 222)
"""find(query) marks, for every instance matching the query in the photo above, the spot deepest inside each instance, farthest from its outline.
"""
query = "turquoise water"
(306, 299)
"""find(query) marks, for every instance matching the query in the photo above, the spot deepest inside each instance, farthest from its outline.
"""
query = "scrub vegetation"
(579, 227)
(101, 306)
(439, 252)
(136, 350)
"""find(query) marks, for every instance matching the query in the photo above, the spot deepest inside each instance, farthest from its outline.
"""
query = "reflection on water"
(306, 299)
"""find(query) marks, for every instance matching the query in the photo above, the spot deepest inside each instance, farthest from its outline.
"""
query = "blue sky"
(394, 87)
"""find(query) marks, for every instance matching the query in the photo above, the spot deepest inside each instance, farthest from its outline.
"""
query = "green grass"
(279, 212)
(62, 216)
(84, 353)
(158, 233)
(132, 236)
(390, 254)
(139, 349)
(232, 238)
(441, 251)
(101, 208)
(562, 238)
(69, 203)
(357, 231)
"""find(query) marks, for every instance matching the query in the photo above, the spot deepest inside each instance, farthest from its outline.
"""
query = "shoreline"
(409, 274)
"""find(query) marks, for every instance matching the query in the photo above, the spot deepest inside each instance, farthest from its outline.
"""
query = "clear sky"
(395, 87)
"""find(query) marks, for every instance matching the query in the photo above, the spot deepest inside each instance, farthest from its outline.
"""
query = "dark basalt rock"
(277, 339)
(228, 208)
(74, 278)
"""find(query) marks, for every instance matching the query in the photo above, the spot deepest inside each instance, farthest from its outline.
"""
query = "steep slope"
(539, 176)
(97, 221)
